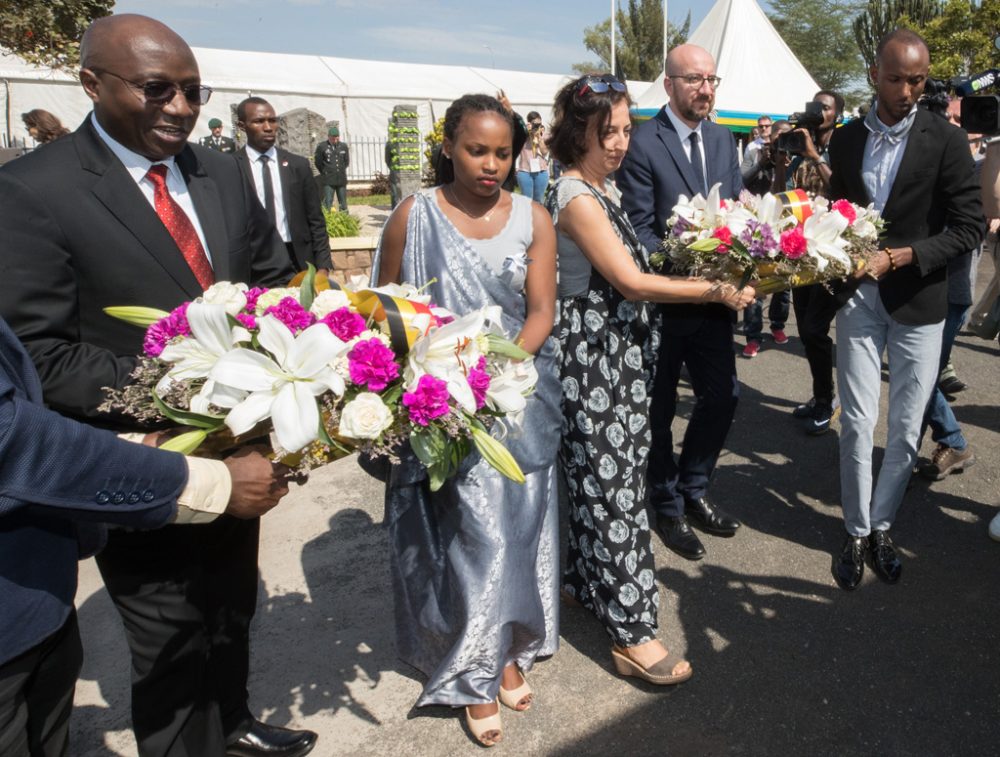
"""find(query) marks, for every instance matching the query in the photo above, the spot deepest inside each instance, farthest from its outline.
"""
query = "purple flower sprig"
(372, 364)
(428, 401)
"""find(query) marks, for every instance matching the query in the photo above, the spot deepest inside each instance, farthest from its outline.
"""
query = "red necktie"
(180, 227)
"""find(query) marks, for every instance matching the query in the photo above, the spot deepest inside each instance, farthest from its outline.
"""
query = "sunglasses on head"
(599, 85)
(162, 92)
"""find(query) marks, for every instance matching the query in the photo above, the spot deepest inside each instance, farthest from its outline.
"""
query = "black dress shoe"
(885, 561)
(710, 518)
(849, 565)
(263, 740)
(677, 535)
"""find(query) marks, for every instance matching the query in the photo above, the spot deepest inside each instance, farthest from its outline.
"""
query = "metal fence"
(368, 158)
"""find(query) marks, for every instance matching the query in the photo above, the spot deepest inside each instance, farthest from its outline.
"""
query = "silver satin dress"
(475, 565)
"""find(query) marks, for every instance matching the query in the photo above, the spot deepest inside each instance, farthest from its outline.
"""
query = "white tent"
(760, 74)
(360, 94)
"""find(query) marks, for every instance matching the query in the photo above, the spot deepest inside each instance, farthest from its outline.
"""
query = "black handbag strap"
(620, 220)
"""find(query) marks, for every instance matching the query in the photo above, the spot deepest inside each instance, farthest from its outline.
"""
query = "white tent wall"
(360, 94)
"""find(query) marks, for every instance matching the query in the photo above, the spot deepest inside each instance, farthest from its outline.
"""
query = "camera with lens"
(980, 113)
(793, 142)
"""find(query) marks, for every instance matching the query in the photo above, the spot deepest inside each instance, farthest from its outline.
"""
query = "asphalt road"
(785, 662)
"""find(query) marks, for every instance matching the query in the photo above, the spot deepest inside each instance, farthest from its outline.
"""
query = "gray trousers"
(864, 332)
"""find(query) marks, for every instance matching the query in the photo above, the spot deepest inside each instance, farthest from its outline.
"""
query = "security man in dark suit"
(216, 141)
(679, 151)
(332, 159)
(146, 218)
(284, 185)
(60, 482)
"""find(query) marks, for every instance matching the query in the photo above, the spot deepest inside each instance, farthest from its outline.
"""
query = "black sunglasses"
(599, 85)
(162, 92)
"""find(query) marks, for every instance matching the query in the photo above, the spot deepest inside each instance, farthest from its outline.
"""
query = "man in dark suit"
(917, 170)
(680, 152)
(60, 482)
(284, 185)
(215, 140)
(144, 218)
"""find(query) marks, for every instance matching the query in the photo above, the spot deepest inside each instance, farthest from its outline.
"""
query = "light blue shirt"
(684, 132)
(883, 154)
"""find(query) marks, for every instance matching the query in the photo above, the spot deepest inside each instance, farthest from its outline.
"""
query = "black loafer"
(679, 537)
(709, 518)
(885, 561)
(263, 740)
(849, 564)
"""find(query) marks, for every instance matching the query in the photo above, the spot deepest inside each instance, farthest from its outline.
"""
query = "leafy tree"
(819, 33)
(882, 16)
(47, 32)
(961, 38)
(638, 41)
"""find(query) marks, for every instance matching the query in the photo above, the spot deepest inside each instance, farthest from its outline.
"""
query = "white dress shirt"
(684, 132)
(138, 166)
(257, 168)
(883, 153)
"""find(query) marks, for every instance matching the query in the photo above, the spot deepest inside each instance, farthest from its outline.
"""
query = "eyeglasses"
(600, 85)
(162, 92)
(696, 80)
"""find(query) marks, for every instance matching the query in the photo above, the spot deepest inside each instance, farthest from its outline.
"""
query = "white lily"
(284, 388)
(771, 210)
(212, 336)
(825, 241)
(508, 392)
(446, 352)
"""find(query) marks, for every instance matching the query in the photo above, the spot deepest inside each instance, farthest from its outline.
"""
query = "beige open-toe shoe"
(487, 731)
(517, 699)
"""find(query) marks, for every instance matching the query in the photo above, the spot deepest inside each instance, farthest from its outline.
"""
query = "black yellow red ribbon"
(798, 202)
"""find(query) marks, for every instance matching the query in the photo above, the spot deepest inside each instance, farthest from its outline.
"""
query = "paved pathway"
(785, 662)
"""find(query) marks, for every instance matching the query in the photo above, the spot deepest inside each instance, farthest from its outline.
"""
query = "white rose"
(233, 297)
(365, 417)
(273, 296)
(327, 301)
(864, 228)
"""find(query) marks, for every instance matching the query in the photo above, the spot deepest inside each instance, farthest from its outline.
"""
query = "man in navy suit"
(60, 481)
(680, 152)
(287, 191)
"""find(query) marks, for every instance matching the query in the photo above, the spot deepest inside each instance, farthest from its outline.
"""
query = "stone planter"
(352, 256)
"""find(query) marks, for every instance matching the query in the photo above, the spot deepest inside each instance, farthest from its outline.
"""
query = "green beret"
(334, 132)
(214, 123)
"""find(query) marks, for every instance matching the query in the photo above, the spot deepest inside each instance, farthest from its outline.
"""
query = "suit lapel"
(672, 141)
(916, 149)
(208, 206)
(856, 139)
(118, 192)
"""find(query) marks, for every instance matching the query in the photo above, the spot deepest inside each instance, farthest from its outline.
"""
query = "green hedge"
(341, 224)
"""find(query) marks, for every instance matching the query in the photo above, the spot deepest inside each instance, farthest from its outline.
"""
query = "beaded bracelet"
(892, 263)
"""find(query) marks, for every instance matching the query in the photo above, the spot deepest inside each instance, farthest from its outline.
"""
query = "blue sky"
(535, 35)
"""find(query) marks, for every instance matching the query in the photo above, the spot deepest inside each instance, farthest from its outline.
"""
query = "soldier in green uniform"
(216, 141)
(332, 159)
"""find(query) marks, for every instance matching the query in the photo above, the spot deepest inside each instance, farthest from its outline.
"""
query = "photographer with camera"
(802, 155)
(533, 163)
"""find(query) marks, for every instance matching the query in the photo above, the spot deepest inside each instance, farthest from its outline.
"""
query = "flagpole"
(666, 30)
(613, 3)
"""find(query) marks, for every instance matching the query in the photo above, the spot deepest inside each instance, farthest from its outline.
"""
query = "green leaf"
(499, 345)
(497, 455)
(188, 418)
(185, 443)
(306, 290)
(136, 315)
(705, 245)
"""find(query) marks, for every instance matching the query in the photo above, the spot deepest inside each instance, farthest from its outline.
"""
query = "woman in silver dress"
(475, 564)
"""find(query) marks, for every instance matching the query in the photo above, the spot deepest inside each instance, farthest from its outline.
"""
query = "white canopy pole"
(613, 3)
(666, 29)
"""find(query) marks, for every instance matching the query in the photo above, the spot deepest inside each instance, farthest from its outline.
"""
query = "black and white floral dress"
(608, 355)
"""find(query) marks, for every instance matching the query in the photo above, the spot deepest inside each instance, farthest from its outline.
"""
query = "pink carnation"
(344, 323)
(793, 243)
(479, 381)
(292, 314)
(724, 235)
(845, 209)
(428, 401)
(165, 329)
(248, 321)
(253, 294)
(372, 364)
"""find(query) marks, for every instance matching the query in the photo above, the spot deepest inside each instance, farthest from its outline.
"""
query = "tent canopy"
(360, 94)
(760, 74)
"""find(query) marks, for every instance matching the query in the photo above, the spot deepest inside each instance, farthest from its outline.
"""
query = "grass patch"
(370, 200)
